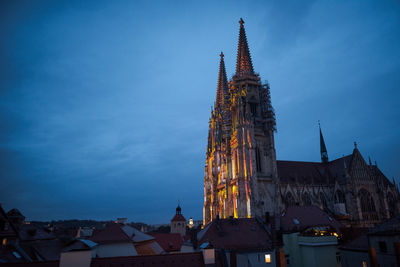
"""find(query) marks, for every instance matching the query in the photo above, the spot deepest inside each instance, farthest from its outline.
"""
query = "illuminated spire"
(222, 88)
(243, 63)
(324, 152)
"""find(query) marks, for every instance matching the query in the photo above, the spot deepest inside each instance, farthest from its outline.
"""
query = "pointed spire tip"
(241, 22)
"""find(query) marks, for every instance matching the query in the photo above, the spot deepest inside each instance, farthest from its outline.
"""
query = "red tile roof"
(298, 218)
(178, 218)
(169, 242)
(237, 234)
(111, 234)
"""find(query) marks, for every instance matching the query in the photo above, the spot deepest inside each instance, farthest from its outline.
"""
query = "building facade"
(244, 179)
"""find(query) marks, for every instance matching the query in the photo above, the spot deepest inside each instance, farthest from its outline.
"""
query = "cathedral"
(244, 179)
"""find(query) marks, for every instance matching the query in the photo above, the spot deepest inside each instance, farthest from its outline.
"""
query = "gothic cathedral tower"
(240, 172)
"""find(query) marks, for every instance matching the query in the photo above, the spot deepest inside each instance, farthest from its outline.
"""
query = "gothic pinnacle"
(324, 152)
(222, 87)
(243, 62)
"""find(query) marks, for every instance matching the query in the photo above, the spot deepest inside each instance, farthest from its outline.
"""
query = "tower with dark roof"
(178, 222)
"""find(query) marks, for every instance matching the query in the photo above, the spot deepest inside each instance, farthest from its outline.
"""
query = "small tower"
(178, 223)
(324, 152)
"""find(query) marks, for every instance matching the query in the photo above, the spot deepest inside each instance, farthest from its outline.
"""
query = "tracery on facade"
(243, 177)
(367, 205)
(306, 199)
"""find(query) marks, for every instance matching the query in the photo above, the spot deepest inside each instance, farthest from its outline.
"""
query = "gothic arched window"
(339, 197)
(367, 205)
(306, 199)
(258, 160)
(391, 204)
(289, 199)
(323, 200)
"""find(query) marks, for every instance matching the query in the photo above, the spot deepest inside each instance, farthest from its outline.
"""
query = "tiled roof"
(169, 242)
(135, 234)
(11, 231)
(379, 176)
(44, 249)
(245, 234)
(178, 218)
(313, 172)
(148, 248)
(111, 234)
(30, 232)
(167, 260)
(119, 233)
(298, 218)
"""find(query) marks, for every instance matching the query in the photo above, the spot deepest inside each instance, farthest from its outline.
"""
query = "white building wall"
(76, 258)
(116, 250)
(255, 259)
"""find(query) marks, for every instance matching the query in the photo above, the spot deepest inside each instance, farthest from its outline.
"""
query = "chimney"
(122, 220)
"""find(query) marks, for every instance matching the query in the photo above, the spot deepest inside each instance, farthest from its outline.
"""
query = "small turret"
(178, 222)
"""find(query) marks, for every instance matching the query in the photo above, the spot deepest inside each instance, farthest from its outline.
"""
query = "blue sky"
(104, 105)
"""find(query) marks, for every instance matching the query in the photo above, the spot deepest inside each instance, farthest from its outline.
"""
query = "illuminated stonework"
(240, 170)
(244, 179)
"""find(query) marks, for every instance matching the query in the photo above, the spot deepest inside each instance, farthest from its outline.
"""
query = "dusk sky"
(104, 105)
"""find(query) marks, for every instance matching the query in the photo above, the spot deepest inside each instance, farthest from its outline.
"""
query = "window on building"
(323, 200)
(253, 109)
(391, 205)
(367, 205)
(382, 246)
(339, 197)
(258, 160)
(4, 242)
(267, 258)
(364, 264)
(289, 199)
(338, 259)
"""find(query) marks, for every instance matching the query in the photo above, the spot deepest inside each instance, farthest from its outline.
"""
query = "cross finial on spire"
(241, 22)
(355, 145)
(221, 55)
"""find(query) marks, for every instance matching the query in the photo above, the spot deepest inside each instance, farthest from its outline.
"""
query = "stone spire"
(324, 152)
(243, 63)
(222, 88)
